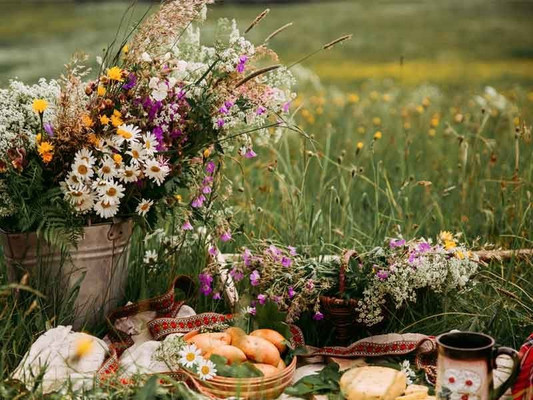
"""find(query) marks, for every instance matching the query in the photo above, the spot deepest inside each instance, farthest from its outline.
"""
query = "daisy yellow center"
(111, 191)
(190, 356)
(135, 154)
(106, 169)
(77, 194)
(148, 144)
(128, 173)
(82, 169)
(106, 205)
(205, 370)
(155, 168)
(145, 206)
(125, 134)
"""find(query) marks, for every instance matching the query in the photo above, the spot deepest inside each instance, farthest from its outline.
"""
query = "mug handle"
(497, 393)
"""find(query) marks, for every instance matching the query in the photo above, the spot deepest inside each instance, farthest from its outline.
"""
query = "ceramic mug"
(464, 367)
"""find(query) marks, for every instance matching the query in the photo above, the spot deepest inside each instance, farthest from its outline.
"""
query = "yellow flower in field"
(207, 153)
(378, 135)
(126, 134)
(449, 244)
(125, 49)
(353, 98)
(434, 122)
(39, 105)
(426, 102)
(83, 346)
(386, 97)
(361, 130)
(406, 126)
(116, 120)
(47, 157)
(101, 90)
(177, 197)
(86, 121)
(460, 255)
(360, 145)
(38, 138)
(114, 74)
(45, 147)
(104, 120)
(516, 121)
(117, 158)
(93, 139)
(432, 132)
(376, 121)
(445, 235)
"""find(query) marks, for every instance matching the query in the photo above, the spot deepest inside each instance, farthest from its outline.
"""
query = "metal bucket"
(98, 265)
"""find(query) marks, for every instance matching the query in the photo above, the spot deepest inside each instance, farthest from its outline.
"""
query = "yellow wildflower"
(125, 49)
(87, 121)
(116, 121)
(115, 74)
(117, 158)
(360, 145)
(124, 133)
(420, 109)
(376, 121)
(445, 235)
(101, 90)
(104, 120)
(39, 105)
(93, 139)
(460, 255)
(353, 98)
(45, 147)
(386, 97)
(449, 244)
(207, 153)
(426, 102)
(378, 135)
(516, 121)
(83, 346)
(432, 132)
(38, 138)
(361, 130)
(178, 197)
(406, 126)
(434, 122)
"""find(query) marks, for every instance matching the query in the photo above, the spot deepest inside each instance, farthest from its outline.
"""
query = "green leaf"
(325, 382)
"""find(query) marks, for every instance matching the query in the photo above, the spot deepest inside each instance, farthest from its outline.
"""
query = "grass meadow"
(420, 123)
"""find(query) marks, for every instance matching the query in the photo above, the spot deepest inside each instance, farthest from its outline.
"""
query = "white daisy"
(85, 155)
(73, 180)
(84, 204)
(144, 206)
(137, 153)
(206, 369)
(107, 169)
(128, 133)
(130, 173)
(76, 193)
(156, 170)
(111, 193)
(105, 210)
(150, 257)
(190, 355)
(150, 143)
(82, 169)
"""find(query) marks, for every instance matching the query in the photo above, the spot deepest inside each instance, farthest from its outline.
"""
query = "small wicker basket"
(341, 312)
(246, 388)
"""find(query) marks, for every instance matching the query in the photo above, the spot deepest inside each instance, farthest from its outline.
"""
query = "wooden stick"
(491, 255)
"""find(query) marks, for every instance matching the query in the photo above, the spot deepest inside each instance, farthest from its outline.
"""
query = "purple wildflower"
(292, 250)
(318, 316)
(228, 104)
(205, 283)
(49, 129)
(412, 257)
(206, 189)
(310, 285)
(291, 292)
(260, 110)
(226, 236)
(254, 278)
(236, 274)
(286, 262)
(262, 298)
(396, 243)
(252, 311)
(198, 201)
(210, 167)
(217, 296)
(382, 275)
(286, 106)
(247, 257)
(223, 110)
(250, 153)
(213, 251)
(220, 122)
(423, 247)
(242, 64)
(187, 226)
(132, 81)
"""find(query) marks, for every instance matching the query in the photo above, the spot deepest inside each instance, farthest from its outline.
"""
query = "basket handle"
(345, 259)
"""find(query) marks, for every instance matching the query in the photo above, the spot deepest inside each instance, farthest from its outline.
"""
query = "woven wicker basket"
(342, 313)
(246, 388)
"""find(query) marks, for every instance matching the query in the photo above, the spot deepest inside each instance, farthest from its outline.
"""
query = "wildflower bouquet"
(149, 129)
(386, 275)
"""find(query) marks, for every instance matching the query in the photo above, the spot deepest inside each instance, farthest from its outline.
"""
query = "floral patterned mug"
(465, 364)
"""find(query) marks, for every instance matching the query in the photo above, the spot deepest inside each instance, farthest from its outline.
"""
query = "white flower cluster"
(436, 267)
(99, 183)
(17, 119)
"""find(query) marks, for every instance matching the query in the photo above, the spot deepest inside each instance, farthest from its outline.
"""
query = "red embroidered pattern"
(160, 328)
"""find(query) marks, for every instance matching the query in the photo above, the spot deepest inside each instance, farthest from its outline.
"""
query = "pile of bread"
(380, 383)
(263, 347)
